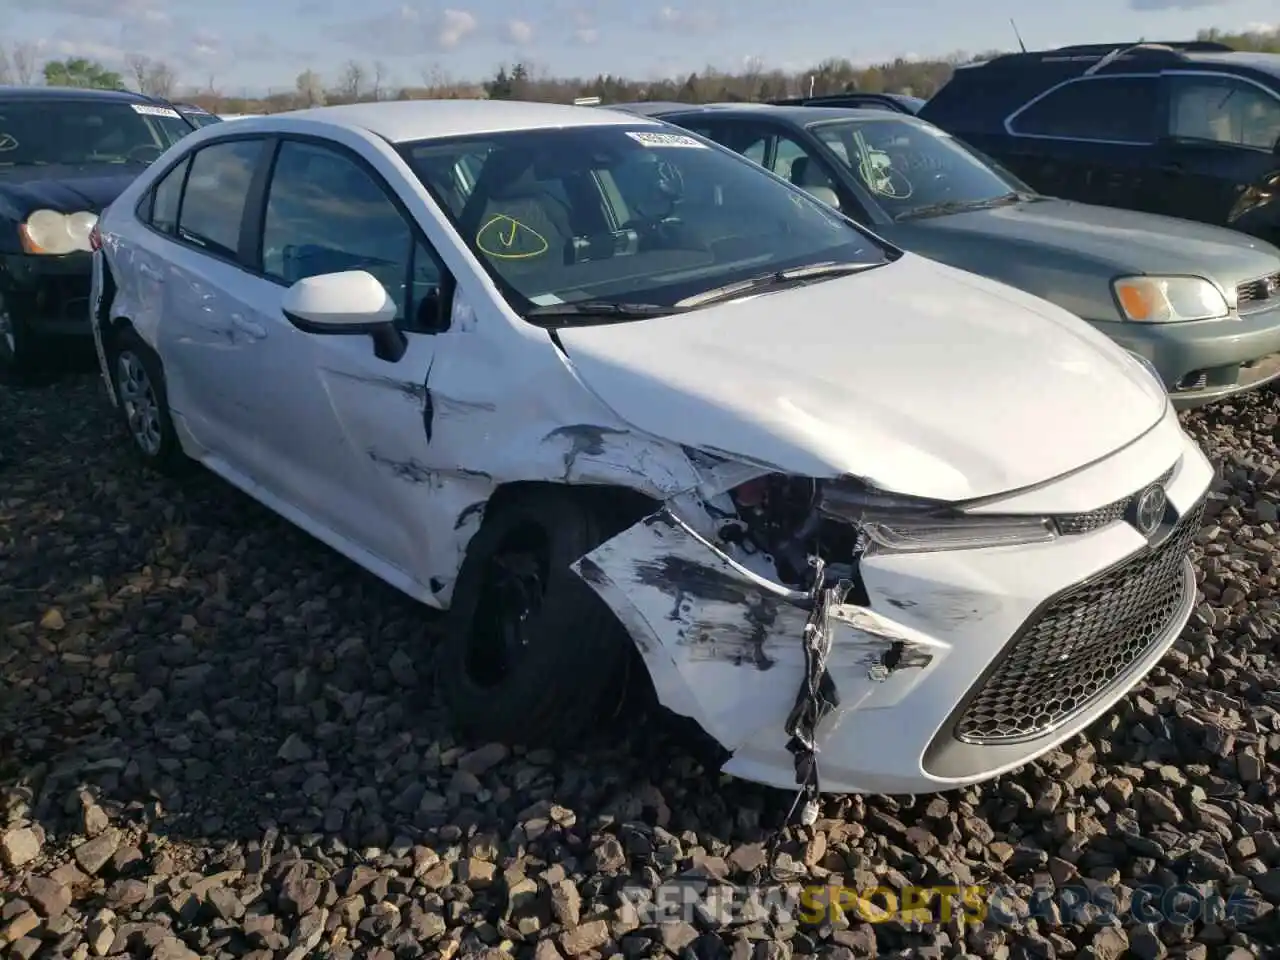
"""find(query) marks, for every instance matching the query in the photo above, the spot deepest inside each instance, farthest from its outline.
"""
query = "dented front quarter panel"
(491, 403)
(724, 645)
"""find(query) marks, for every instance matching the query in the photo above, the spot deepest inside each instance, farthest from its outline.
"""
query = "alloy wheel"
(138, 398)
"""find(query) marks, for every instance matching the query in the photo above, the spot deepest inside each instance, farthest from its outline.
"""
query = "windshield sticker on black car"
(149, 111)
(664, 140)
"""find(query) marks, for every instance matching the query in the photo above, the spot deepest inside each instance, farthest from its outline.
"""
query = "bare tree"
(351, 82)
(310, 89)
(6, 71)
(160, 80)
(379, 79)
(138, 65)
(23, 62)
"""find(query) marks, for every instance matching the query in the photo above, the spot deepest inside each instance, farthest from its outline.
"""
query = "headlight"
(1169, 299)
(908, 525)
(53, 233)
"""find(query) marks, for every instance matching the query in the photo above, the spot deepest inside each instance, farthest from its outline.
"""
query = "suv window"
(325, 213)
(1118, 109)
(1223, 110)
(167, 194)
(217, 187)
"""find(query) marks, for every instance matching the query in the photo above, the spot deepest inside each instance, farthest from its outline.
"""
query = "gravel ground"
(215, 741)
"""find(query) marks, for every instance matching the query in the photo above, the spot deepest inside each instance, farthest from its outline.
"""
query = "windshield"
(200, 119)
(625, 214)
(40, 131)
(907, 165)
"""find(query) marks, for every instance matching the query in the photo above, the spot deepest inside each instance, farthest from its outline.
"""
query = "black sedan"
(64, 155)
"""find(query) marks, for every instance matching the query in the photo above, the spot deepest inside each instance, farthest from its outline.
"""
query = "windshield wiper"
(595, 311)
(961, 206)
(831, 268)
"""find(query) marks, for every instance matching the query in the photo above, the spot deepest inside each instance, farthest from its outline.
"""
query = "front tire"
(137, 377)
(532, 655)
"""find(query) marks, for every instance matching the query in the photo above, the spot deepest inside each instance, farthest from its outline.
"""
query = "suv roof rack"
(1102, 54)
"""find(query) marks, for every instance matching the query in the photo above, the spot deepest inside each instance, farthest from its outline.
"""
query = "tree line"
(357, 82)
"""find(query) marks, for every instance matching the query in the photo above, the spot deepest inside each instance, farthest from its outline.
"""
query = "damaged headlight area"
(795, 520)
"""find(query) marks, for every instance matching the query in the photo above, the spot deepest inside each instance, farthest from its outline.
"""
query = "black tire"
(574, 670)
(127, 355)
(26, 358)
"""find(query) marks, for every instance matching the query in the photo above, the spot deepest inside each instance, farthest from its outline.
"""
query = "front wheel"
(531, 655)
(137, 378)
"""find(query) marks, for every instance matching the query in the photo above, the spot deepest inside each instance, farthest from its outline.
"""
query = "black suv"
(1186, 129)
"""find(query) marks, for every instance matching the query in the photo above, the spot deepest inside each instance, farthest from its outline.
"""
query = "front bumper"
(48, 293)
(1208, 360)
(929, 664)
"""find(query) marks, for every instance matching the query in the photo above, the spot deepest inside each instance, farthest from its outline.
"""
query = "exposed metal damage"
(752, 597)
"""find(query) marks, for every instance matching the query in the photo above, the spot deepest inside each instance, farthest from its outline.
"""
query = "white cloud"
(685, 21)
(518, 32)
(454, 27)
(586, 35)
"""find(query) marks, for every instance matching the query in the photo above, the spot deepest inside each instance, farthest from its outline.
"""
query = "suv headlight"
(910, 525)
(53, 233)
(1169, 299)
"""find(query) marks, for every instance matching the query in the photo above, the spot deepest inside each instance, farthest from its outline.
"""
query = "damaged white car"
(611, 394)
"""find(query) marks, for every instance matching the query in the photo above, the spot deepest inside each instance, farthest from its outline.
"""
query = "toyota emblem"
(1149, 509)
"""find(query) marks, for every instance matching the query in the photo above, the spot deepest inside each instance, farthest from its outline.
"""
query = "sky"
(251, 46)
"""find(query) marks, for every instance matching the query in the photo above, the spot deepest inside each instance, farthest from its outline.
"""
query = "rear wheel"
(531, 654)
(25, 357)
(137, 378)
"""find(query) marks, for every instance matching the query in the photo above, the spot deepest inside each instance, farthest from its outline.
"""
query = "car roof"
(401, 121)
(74, 93)
(799, 116)
(1266, 62)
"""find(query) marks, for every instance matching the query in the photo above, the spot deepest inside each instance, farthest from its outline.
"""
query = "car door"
(1092, 139)
(1222, 137)
(338, 432)
(205, 322)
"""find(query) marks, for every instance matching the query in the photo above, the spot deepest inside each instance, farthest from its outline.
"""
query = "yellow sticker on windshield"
(505, 238)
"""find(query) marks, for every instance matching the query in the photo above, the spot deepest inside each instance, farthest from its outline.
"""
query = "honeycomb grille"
(1076, 523)
(1258, 294)
(1081, 644)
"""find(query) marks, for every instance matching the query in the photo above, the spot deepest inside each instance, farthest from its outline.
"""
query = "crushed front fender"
(745, 657)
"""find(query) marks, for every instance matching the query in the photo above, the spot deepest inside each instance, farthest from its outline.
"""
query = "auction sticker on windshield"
(149, 111)
(664, 140)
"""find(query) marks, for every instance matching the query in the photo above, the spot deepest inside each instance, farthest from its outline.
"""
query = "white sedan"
(611, 394)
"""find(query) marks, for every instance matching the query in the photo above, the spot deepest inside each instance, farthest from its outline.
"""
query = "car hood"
(1107, 239)
(916, 377)
(64, 188)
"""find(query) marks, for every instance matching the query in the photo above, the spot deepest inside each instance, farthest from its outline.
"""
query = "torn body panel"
(725, 646)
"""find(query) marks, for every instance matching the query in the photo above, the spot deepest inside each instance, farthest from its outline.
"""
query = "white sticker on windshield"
(147, 110)
(665, 140)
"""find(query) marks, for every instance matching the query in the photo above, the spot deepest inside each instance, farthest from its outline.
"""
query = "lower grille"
(1082, 642)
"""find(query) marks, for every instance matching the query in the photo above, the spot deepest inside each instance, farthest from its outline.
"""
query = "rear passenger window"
(217, 187)
(167, 194)
(1116, 109)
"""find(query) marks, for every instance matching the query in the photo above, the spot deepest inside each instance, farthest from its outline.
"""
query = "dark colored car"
(64, 155)
(1186, 129)
(897, 102)
(199, 116)
(1212, 335)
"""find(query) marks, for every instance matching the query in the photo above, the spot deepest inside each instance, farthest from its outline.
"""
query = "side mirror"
(350, 303)
(824, 195)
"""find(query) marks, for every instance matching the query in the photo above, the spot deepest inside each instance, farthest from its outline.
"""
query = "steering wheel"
(138, 153)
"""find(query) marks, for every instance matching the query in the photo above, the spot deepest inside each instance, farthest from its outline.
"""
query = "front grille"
(1258, 294)
(1075, 523)
(1080, 644)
